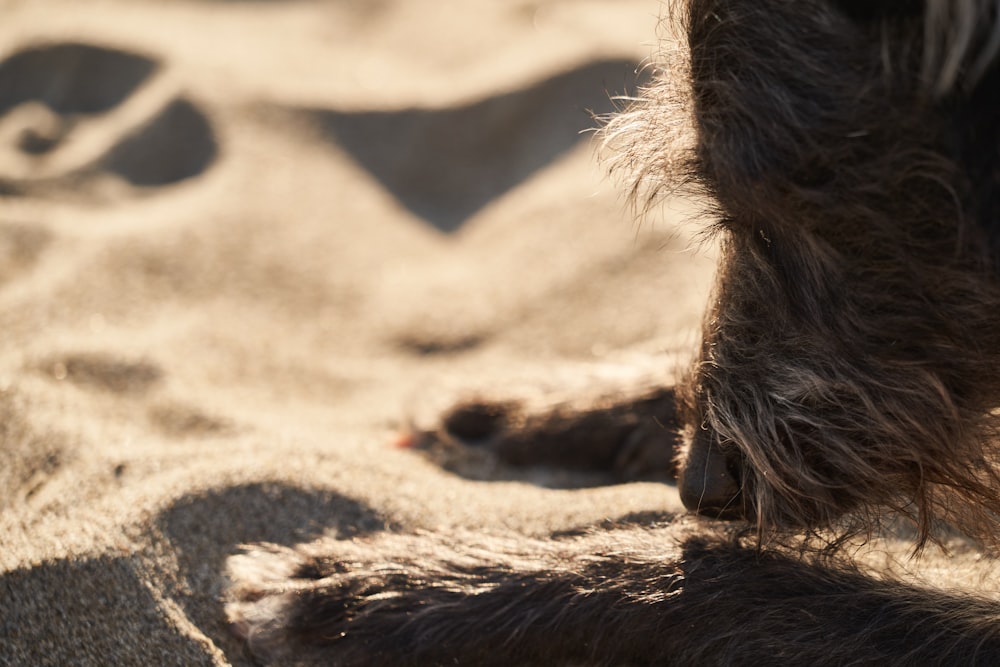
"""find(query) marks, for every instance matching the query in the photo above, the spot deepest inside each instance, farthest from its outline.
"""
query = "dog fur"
(849, 361)
(849, 371)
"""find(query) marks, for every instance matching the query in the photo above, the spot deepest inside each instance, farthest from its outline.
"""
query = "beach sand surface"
(243, 245)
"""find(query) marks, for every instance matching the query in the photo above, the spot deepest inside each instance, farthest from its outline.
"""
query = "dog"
(848, 154)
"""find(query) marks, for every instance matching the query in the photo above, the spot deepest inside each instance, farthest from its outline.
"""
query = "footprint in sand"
(30, 457)
(445, 164)
(72, 114)
(108, 373)
(103, 372)
(179, 420)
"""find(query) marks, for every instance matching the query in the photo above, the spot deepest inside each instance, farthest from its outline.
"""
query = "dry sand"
(242, 242)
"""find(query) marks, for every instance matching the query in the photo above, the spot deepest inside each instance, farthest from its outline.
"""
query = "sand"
(242, 244)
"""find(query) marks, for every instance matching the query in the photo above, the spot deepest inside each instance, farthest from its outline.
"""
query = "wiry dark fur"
(851, 353)
(850, 364)
(634, 596)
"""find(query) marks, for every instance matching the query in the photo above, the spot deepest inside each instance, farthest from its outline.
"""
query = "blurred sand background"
(241, 243)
